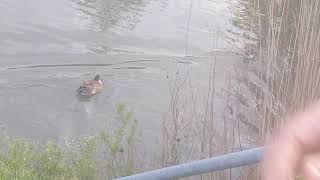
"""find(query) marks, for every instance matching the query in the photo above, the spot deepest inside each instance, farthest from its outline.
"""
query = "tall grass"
(283, 75)
(287, 60)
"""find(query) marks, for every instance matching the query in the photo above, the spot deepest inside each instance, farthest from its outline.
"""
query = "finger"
(311, 167)
(305, 129)
(298, 137)
(280, 160)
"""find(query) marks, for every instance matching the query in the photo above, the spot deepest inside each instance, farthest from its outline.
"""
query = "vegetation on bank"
(109, 154)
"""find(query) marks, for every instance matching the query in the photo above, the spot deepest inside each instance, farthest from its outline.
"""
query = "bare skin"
(296, 148)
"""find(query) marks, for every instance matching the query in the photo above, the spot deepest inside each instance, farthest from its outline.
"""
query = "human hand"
(296, 148)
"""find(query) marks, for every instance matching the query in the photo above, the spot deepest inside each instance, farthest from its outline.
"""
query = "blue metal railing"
(232, 160)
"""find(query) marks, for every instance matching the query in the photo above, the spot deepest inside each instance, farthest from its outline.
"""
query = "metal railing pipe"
(227, 161)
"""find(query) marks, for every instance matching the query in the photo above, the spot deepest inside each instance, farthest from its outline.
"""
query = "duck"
(91, 87)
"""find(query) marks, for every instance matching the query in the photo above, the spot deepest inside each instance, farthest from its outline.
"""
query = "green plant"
(21, 159)
(50, 162)
(16, 162)
(84, 161)
(119, 144)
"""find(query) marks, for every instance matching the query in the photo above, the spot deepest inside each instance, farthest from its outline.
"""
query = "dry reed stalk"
(292, 61)
(187, 35)
(179, 133)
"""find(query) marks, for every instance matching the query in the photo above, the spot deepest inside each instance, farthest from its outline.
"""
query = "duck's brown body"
(91, 87)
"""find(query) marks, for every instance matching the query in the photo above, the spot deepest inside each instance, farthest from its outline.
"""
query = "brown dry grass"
(284, 75)
(287, 62)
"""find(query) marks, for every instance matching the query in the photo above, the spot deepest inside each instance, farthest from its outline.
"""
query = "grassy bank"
(109, 154)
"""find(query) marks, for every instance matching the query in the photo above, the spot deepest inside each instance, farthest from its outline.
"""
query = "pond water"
(47, 48)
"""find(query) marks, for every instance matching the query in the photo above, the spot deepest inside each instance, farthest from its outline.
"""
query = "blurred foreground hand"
(295, 149)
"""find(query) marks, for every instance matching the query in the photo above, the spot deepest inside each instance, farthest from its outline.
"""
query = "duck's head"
(98, 77)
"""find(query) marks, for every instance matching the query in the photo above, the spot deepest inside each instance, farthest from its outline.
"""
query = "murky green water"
(48, 47)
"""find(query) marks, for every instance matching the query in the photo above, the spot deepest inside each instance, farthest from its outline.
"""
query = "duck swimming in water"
(91, 87)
